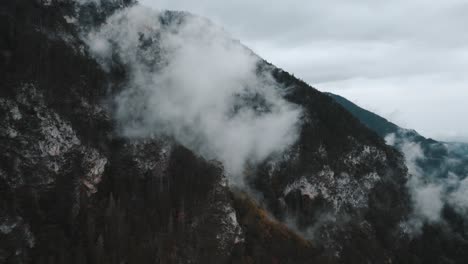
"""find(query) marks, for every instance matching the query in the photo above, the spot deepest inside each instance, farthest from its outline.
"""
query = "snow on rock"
(70, 19)
(58, 136)
(231, 232)
(363, 155)
(15, 113)
(7, 225)
(94, 165)
(304, 186)
(339, 189)
(44, 142)
(151, 156)
(47, 2)
(40, 146)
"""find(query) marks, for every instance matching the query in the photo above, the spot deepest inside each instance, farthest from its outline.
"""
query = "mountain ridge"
(432, 164)
(77, 190)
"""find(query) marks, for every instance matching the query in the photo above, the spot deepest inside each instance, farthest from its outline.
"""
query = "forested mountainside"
(436, 154)
(114, 150)
(439, 169)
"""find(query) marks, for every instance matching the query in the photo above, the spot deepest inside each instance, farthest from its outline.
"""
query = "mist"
(188, 80)
(431, 192)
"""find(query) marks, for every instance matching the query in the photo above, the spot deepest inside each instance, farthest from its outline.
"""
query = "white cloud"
(397, 47)
(428, 201)
(430, 192)
(190, 81)
(459, 197)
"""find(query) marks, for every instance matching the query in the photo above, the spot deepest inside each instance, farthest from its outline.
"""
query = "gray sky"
(406, 60)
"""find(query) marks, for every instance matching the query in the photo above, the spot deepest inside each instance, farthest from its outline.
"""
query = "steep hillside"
(439, 173)
(380, 125)
(139, 136)
(436, 154)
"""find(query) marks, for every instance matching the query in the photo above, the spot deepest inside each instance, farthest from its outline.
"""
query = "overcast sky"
(406, 60)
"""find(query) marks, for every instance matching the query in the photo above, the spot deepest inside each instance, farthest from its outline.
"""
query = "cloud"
(335, 45)
(189, 80)
(459, 198)
(431, 192)
(426, 197)
(428, 201)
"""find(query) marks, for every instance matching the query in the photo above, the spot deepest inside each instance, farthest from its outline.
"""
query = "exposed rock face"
(158, 193)
(438, 173)
(339, 180)
(71, 189)
(74, 190)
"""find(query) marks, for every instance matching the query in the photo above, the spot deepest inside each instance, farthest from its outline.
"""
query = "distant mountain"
(436, 154)
(438, 182)
(380, 125)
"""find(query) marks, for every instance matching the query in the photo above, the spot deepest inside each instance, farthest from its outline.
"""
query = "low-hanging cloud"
(189, 80)
(431, 191)
(405, 60)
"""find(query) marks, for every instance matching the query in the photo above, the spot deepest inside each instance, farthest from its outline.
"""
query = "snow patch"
(338, 189)
(47, 2)
(94, 164)
(303, 186)
(15, 113)
(70, 20)
(7, 226)
(231, 230)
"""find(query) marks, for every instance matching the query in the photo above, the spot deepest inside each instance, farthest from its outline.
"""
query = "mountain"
(130, 135)
(436, 154)
(380, 125)
(441, 166)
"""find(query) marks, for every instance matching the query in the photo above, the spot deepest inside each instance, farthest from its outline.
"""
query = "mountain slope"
(380, 125)
(88, 175)
(433, 166)
(435, 153)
